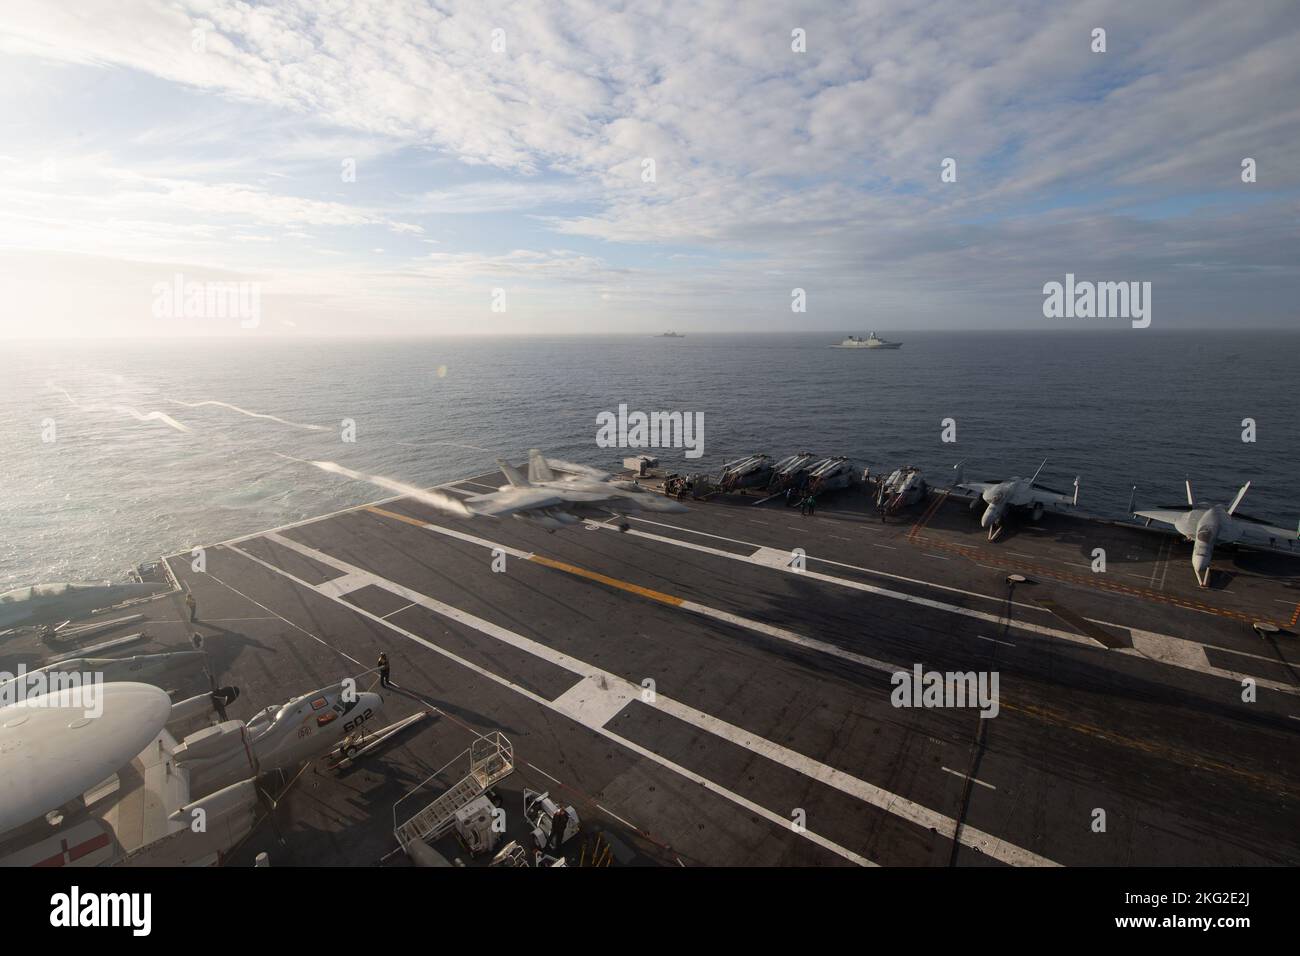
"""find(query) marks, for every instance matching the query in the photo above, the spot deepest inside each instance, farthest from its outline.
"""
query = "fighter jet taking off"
(1206, 524)
(557, 501)
(1001, 496)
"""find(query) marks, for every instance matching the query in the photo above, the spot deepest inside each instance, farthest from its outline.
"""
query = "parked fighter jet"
(1013, 493)
(48, 603)
(557, 501)
(1206, 524)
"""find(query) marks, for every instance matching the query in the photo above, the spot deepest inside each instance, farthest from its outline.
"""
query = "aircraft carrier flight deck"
(716, 687)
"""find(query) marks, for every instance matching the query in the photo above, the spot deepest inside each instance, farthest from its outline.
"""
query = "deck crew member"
(812, 504)
(382, 663)
(193, 605)
(559, 820)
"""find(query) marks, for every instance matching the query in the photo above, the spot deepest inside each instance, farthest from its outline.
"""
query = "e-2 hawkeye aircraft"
(1001, 496)
(1206, 524)
(130, 787)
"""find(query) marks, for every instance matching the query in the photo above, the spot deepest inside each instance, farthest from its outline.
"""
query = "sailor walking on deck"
(382, 663)
(193, 605)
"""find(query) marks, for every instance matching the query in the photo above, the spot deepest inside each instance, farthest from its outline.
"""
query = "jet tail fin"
(1188, 483)
(512, 474)
(1040, 468)
(1237, 500)
(538, 468)
(960, 472)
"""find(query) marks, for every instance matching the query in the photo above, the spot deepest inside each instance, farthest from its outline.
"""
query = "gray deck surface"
(1119, 691)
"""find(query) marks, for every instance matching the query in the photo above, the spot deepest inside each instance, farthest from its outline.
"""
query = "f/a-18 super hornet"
(1001, 496)
(561, 500)
(1205, 524)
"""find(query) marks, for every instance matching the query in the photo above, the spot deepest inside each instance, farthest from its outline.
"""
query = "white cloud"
(821, 167)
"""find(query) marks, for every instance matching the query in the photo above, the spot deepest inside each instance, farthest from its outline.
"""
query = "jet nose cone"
(986, 519)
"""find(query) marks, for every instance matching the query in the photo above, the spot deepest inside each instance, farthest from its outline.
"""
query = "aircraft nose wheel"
(624, 526)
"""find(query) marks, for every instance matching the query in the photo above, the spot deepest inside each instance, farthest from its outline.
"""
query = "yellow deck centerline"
(606, 579)
(1172, 754)
(573, 569)
(393, 514)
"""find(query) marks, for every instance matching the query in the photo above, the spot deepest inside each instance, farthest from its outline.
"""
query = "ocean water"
(110, 490)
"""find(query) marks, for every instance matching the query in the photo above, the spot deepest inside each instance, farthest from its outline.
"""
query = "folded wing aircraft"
(1001, 496)
(1205, 525)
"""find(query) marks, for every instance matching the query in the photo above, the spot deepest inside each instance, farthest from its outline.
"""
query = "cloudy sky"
(503, 146)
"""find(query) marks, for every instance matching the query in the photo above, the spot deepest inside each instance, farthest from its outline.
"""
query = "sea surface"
(88, 490)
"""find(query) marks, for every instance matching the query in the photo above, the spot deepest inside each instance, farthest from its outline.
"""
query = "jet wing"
(976, 487)
(1041, 494)
(1255, 534)
(1164, 517)
(528, 498)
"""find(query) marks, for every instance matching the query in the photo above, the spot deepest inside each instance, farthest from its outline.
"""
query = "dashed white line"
(591, 707)
(994, 640)
(544, 773)
(971, 779)
(630, 826)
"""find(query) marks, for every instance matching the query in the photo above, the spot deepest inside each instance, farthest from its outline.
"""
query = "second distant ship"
(872, 341)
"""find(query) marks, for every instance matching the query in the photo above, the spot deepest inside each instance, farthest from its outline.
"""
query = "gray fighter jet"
(50, 603)
(560, 501)
(1206, 524)
(1001, 496)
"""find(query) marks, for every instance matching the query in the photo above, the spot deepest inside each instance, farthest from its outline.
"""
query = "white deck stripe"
(691, 775)
(1148, 645)
(869, 793)
(957, 773)
(851, 567)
